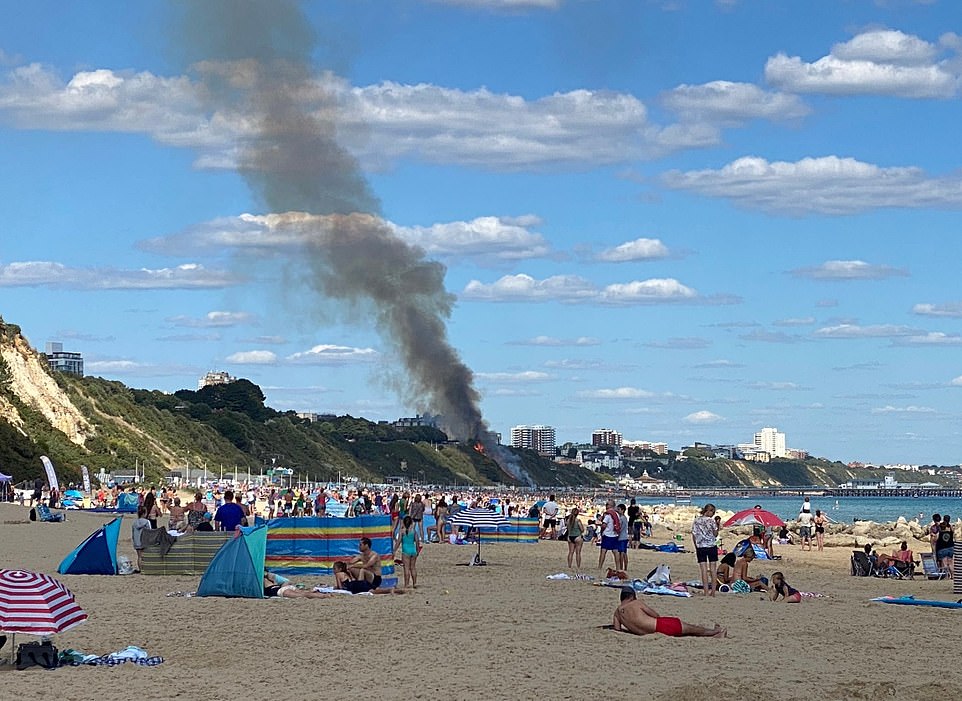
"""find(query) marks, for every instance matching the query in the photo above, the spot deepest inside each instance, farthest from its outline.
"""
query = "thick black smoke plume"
(254, 58)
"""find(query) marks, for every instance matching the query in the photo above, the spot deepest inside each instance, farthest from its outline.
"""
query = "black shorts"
(272, 590)
(551, 523)
(709, 554)
(360, 586)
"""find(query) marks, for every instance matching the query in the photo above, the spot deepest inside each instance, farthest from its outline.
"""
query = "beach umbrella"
(36, 604)
(481, 519)
(754, 517)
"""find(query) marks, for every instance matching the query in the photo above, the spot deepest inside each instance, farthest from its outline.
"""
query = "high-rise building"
(63, 361)
(539, 438)
(605, 436)
(772, 441)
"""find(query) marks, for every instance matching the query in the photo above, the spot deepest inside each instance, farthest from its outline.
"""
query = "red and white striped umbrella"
(36, 604)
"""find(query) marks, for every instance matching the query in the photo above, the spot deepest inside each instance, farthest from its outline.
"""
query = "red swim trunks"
(668, 626)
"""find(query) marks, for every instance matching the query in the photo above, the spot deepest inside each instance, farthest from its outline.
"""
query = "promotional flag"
(86, 477)
(51, 475)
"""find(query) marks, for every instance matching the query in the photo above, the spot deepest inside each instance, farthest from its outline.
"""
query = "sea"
(841, 509)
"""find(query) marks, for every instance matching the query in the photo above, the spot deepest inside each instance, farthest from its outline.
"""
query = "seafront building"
(215, 378)
(539, 438)
(60, 360)
(771, 441)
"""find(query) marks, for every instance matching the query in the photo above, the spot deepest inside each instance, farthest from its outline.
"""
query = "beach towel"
(615, 519)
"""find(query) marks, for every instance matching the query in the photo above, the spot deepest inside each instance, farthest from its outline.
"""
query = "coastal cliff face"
(24, 375)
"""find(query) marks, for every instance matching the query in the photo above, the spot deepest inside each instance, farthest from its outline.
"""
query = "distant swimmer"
(632, 616)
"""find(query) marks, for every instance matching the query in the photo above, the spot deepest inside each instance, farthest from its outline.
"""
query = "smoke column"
(254, 58)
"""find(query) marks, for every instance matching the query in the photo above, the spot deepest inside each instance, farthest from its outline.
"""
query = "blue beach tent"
(127, 502)
(237, 570)
(97, 554)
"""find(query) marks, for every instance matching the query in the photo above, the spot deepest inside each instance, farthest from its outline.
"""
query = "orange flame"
(478, 447)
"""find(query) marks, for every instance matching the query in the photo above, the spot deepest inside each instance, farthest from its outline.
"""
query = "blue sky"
(681, 220)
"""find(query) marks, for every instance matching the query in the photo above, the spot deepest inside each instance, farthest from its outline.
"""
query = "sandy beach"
(498, 632)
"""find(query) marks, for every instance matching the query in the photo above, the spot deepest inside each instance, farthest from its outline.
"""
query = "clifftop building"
(539, 438)
(215, 378)
(605, 436)
(63, 361)
(772, 441)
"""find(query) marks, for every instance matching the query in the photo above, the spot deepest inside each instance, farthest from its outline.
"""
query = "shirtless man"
(365, 568)
(632, 616)
(740, 571)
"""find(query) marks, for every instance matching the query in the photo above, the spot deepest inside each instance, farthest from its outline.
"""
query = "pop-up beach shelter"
(237, 569)
(97, 554)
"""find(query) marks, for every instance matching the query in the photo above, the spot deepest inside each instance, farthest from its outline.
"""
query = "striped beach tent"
(516, 530)
(36, 604)
(957, 568)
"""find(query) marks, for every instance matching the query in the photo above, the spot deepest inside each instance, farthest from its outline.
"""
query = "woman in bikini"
(820, 521)
(781, 588)
(575, 532)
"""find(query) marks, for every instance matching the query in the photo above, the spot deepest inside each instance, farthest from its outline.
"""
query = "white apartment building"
(657, 448)
(215, 378)
(539, 438)
(772, 441)
(605, 436)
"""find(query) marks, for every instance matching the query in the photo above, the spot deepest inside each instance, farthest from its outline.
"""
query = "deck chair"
(862, 565)
(930, 567)
(44, 513)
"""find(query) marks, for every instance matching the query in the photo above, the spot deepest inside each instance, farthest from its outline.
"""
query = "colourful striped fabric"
(190, 555)
(518, 530)
(37, 604)
(311, 546)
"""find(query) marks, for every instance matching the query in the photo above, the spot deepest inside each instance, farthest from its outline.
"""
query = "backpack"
(42, 654)
(33, 514)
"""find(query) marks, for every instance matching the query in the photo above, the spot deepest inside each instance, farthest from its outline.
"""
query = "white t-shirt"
(609, 526)
(550, 509)
(805, 519)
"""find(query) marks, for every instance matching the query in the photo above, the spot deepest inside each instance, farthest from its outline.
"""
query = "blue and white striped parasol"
(481, 519)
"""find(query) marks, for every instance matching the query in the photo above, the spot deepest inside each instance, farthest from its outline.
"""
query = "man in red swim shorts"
(632, 616)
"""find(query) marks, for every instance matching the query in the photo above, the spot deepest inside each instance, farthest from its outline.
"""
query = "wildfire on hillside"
(479, 447)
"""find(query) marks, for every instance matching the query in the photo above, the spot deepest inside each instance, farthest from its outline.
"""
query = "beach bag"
(33, 514)
(37, 654)
(660, 576)
(124, 565)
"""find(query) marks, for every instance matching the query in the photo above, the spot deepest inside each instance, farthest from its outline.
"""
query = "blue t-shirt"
(229, 516)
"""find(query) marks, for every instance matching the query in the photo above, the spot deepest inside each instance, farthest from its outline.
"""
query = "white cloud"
(732, 104)
(498, 238)
(888, 409)
(59, 276)
(771, 336)
(932, 338)
(573, 289)
(849, 270)
(777, 386)
(948, 309)
(325, 354)
(795, 321)
(719, 365)
(254, 357)
(214, 319)
(639, 249)
(526, 376)
(617, 393)
(505, 4)
(870, 331)
(878, 62)
(957, 381)
(680, 343)
(115, 367)
(703, 417)
(825, 185)
(485, 239)
(558, 342)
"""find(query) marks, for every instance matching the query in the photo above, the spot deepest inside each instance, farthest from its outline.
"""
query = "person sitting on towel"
(725, 567)
(343, 580)
(741, 582)
(365, 568)
(632, 616)
(781, 588)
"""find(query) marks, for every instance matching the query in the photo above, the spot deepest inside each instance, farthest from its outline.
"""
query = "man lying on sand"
(632, 616)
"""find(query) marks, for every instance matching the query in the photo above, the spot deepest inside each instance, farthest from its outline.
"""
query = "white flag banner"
(51, 475)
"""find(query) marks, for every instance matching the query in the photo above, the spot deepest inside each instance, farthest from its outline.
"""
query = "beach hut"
(97, 554)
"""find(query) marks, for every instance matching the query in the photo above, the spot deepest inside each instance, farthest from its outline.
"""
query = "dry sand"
(502, 632)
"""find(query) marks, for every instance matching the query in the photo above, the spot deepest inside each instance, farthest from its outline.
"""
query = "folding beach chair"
(862, 565)
(43, 511)
(930, 567)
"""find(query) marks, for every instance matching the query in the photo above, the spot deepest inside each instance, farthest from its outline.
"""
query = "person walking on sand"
(575, 533)
(632, 616)
(704, 534)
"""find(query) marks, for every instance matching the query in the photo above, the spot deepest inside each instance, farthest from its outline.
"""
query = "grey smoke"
(254, 57)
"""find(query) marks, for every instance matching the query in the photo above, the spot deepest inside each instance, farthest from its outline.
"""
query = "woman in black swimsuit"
(820, 522)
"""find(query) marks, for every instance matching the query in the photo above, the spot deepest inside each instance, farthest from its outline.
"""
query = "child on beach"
(781, 588)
